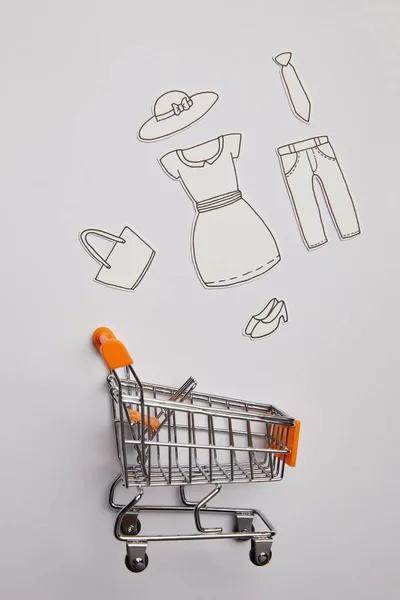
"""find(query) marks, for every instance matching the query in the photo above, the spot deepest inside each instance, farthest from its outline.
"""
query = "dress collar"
(201, 163)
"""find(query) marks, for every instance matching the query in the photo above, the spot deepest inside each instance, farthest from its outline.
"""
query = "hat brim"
(155, 130)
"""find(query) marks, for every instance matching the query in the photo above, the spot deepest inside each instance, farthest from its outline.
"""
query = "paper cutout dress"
(230, 242)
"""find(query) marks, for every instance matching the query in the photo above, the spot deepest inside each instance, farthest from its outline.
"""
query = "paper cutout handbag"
(127, 262)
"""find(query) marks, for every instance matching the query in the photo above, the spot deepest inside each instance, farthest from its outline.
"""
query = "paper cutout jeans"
(303, 163)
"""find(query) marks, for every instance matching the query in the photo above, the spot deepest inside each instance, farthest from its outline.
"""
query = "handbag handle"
(101, 234)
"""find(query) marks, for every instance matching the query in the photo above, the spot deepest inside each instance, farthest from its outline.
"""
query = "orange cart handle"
(136, 416)
(113, 352)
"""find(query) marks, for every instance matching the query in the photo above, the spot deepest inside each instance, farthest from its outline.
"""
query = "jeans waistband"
(303, 145)
(219, 201)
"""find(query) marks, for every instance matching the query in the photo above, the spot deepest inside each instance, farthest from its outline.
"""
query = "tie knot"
(283, 59)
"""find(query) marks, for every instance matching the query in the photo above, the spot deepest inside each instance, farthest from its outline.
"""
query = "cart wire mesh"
(201, 438)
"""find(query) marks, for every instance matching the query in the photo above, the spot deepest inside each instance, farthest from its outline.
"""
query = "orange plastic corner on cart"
(293, 444)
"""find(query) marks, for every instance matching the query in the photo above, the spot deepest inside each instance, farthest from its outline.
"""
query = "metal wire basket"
(169, 436)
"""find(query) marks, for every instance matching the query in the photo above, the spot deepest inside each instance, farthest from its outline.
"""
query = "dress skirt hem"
(257, 272)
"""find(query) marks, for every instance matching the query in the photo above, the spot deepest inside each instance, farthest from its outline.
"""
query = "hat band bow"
(177, 109)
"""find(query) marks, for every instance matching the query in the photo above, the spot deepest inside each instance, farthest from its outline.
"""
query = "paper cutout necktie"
(296, 93)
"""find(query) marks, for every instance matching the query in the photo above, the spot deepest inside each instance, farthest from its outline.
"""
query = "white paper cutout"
(173, 112)
(297, 95)
(260, 316)
(303, 164)
(127, 262)
(231, 244)
(267, 320)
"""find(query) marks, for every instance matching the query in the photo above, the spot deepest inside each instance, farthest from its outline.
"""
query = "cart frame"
(163, 427)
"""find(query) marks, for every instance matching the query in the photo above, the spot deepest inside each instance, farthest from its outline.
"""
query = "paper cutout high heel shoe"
(271, 322)
(263, 314)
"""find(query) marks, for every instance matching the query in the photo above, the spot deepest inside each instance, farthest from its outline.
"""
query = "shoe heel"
(285, 314)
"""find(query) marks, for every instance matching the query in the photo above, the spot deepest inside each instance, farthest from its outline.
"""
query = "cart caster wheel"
(130, 529)
(137, 565)
(260, 559)
(244, 539)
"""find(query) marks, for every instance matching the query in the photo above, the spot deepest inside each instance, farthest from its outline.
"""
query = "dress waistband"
(303, 145)
(219, 201)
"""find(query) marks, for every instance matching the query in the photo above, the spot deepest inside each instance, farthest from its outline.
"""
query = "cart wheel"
(137, 565)
(260, 559)
(245, 539)
(130, 529)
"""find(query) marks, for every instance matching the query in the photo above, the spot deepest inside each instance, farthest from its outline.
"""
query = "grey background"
(78, 79)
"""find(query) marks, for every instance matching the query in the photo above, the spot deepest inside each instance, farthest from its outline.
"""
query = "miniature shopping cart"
(177, 437)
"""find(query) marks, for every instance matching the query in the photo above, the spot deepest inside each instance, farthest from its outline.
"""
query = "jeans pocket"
(326, 151)
(289, 162)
